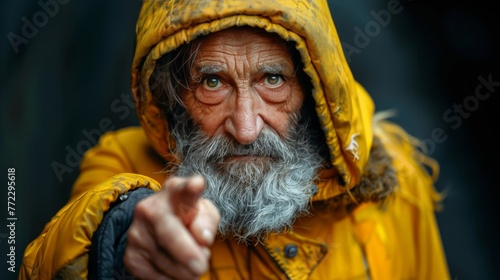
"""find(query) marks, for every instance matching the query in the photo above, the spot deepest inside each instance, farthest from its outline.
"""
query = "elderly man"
(271, 162)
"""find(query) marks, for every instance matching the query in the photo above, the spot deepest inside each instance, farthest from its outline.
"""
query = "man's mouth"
(246, 159)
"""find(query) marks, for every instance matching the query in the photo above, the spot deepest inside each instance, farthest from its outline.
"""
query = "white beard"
(255, 195)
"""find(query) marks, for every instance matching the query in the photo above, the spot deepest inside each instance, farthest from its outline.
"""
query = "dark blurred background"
(65, 79)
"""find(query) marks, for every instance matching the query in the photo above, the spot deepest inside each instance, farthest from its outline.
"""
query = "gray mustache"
(268, 144)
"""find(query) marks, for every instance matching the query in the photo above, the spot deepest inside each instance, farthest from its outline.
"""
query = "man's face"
(249, 141)
(243, 80)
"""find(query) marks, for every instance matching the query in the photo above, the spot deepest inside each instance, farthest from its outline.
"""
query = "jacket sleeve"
(109, 242)
(120, 162)
(62, 247)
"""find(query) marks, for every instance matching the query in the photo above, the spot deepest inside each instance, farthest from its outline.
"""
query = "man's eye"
(274, 80)
(211, 83)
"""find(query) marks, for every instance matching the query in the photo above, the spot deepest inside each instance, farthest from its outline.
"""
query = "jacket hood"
(344, 108)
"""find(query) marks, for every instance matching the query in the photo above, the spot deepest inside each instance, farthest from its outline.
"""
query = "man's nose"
(244, 122)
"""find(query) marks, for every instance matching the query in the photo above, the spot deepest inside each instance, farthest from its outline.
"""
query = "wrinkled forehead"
(243, 41)
(254, 46)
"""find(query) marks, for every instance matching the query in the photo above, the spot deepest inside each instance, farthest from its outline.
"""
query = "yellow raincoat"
(398, 239)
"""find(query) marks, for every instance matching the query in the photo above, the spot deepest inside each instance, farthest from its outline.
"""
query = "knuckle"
(133, 235)
(143, 207)
(165, 243)
(130, 260)
(149, 209)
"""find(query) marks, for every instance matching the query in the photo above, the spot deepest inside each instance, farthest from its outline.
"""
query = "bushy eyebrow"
(276, 68)
(271, 68)
(210, 69)
(281, 66)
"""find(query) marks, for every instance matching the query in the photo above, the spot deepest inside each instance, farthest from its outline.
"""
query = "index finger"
(184, 196)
